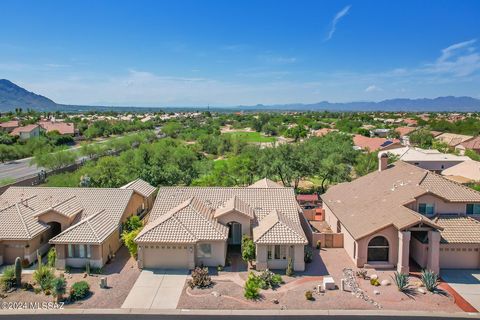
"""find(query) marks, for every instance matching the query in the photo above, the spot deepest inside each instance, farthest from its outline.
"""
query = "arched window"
(378, 249)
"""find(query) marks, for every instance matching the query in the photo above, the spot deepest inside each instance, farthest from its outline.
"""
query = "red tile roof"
(307, 197)
(10, 124)
(61, 127)
(473, 144)
(403, 131)
(27, 128)
(372, 144)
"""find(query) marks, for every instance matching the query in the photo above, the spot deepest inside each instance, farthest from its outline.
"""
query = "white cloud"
(372, 88)
(460, 60)
(342, 13)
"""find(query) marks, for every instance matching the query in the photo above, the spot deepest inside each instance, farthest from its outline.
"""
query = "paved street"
(156, 289)
(466, 283)
(17, 169)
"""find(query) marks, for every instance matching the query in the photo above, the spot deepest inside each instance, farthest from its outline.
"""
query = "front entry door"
(235, 233)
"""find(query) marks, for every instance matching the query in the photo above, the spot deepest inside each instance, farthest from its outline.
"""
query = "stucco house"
(84, 224)
(26, 132)
(191, 226)
(402, 213)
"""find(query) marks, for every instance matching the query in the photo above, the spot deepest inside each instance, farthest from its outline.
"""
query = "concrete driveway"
(466, 283)
(156, 289)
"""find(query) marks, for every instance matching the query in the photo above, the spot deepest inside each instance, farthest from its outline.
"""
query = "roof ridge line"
(62, 202)
(23, 221)
(184, 227)
(93, 230)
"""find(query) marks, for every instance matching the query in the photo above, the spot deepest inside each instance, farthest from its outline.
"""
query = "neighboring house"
(145, 190)
(8, 126)
(375, 144)
(192, 226)
(404, 132)
(453, 139)
(410, 122)
(472, 144)
(63, 128)
(430, 159)
(382, 133)
(26, 132)
(84, 224)
(464, 172)
(403, 213)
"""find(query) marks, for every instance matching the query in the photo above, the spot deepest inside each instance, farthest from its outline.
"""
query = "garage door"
(12, 252)
(459, 257)
(162, 256)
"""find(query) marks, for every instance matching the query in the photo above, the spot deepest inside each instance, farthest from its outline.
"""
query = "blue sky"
(205, 52)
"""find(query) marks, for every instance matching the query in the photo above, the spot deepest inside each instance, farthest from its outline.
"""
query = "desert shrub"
(128, 239)
(79, 290)
(44, 276)
(248, 249)
(309, 295)
(8, 279)
(289, 270)
(200, 278)
(25, 263)
(59, 286)
(374, 282)
(51, 257)
(308, 254)
(430, 280)
(132, 223)
(219, 267)
(401, 280)
(268, 279)
(319, 244)
(361, 273)
(252, 287)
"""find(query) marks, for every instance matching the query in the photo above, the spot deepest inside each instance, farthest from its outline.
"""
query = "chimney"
(382, 161)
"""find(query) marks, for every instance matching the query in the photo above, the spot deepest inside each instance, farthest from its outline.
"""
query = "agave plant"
(401, 280)
(430, 280)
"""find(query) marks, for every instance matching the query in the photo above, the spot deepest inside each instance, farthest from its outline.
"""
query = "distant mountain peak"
(13, 96)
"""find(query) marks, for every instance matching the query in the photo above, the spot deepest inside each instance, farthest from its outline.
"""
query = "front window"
(79, 251)
(277, 252)
(204, 250)
(473, 208)
(427, 209)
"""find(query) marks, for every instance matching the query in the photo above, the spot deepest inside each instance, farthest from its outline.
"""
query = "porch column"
(433, 254)
(403, 262)
(261, 262)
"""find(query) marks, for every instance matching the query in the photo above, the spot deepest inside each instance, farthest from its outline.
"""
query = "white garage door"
(459, 257)
(162, 256)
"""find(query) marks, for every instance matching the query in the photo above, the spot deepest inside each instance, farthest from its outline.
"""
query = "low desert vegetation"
(200, 278)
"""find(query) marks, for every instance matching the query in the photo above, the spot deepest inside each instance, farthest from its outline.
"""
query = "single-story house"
(464, 172)
(8, 126)
(63, 128)
(472, 144)
(26, 132)
(375, 143)
(402, 213)
(453, 139)
(430, 159)
(84, 224)
(192, 226)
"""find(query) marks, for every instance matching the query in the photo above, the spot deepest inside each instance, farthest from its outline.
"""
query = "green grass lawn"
(250, 137)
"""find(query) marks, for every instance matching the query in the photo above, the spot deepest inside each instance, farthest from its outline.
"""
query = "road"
(21, 168)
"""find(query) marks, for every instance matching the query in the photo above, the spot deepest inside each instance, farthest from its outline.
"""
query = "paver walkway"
(466, 283)
(156, 289)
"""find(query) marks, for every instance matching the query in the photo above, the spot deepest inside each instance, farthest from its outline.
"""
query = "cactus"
(39, 260)
(18, 271)
(289, 271)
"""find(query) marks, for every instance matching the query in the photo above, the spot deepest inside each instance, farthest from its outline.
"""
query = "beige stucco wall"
(10, 250)
(219, 254)
(441, 206)
(237, 217)
(296, 252)
(434, 165)
(55, 217)
(391, 234)
(418, 252)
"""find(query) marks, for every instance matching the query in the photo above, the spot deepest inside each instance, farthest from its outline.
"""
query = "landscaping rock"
(421, 290)
(216, 294)
(385, 282)
(275, 301)
(376, 292)
(374, 276)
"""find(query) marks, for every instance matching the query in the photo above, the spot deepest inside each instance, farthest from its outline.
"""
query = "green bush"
(252, 287)
(132, 223)
(319, 244)
(248, 249)
(128, 239)
(44, 276)
(430, 280)
(309, 295)
(401, 280)
(79, 290)
(59, 286)
(200, 278)
(268, 280)
(51, 257)
(374, 282)
(308, 254)
(8, 279)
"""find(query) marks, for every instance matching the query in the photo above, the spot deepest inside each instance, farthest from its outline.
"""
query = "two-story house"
(402, 213)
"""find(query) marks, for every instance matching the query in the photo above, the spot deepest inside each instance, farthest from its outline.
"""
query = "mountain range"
(13, 96)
